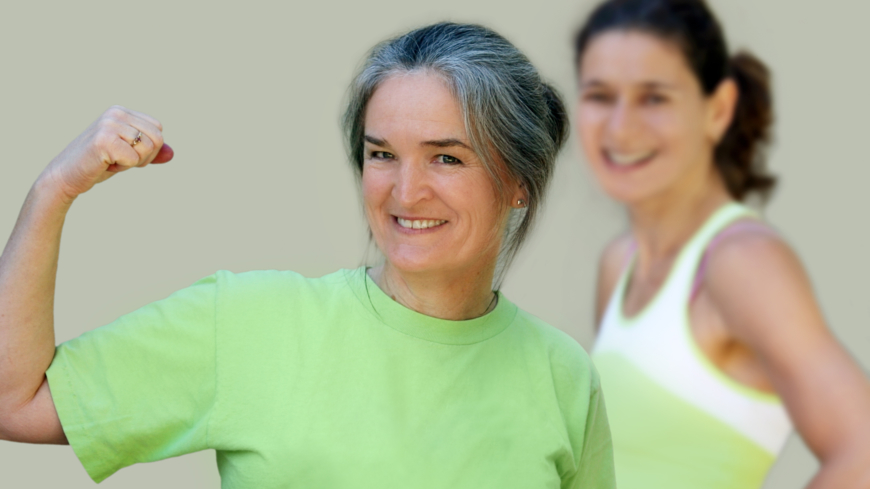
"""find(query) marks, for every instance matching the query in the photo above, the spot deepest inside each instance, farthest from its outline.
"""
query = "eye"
(598, 97)
(654, 99)
(381, 155)
(448, 160)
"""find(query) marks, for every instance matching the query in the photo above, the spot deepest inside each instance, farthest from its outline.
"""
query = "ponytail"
(741, 155)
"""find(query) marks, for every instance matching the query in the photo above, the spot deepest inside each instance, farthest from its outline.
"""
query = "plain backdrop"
(250, 95)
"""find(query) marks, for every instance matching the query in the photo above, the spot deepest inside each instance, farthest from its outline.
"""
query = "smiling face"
(646, 126)
(429, 200)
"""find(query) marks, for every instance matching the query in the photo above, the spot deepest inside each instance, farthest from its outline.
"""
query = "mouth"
(628, 160)
(418, 224)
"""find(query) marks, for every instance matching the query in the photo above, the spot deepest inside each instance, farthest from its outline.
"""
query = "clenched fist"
(118, 140)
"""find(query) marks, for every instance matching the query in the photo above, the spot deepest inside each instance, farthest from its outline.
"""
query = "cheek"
(476, 198)
(375, 191)
(678, 134)
(374, 183)
(589, 122)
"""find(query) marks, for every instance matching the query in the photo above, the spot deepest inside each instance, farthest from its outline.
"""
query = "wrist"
(47, 191)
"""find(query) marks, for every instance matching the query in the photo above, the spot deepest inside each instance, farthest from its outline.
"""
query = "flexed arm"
(766, 298)
(119, 140)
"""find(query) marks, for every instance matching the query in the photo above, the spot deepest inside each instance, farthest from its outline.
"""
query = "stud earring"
(521, 203)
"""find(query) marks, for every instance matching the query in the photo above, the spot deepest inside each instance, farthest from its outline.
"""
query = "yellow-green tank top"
(677, 421)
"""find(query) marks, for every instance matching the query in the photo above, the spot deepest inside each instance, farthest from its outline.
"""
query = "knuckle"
(147, 145)
(104, 137)
(115, 112)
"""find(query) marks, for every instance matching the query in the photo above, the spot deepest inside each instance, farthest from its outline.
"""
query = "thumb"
(165, 154)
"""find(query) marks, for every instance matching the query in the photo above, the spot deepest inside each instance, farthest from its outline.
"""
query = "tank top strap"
(677, 288)
(681, 278)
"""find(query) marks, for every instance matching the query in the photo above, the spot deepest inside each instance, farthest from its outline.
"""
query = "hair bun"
(558, 115)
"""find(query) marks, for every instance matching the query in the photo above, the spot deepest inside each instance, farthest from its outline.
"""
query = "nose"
(412, 184)
(622, 125)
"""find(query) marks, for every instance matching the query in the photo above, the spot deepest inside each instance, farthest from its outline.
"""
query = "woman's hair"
(515, 123)
(740, 155)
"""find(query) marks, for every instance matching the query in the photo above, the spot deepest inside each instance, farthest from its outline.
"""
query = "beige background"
(250, 94)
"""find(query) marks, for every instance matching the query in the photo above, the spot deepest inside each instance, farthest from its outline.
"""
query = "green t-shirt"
(328, 383)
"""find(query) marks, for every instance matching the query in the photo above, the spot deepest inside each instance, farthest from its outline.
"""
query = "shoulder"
(758, 283)
(568, 361)
(614, 257)
(573, 381)
(268, 280)
(751, 252)
(280, 288)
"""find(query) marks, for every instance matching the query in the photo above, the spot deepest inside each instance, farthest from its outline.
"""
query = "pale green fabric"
(663, 442)
(328, 383)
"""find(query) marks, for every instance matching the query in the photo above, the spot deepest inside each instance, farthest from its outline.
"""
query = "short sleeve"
(141, 388)
(595, 468)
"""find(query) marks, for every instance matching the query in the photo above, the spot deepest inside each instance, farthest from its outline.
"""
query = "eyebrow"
(438, 143)
(446, 143)
(649, 84)
(377, 142)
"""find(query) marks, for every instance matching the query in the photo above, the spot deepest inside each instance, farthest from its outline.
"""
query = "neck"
(663, 224)
(454, 296)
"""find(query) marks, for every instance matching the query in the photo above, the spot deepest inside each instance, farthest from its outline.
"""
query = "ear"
(520, 198)
(720, 110)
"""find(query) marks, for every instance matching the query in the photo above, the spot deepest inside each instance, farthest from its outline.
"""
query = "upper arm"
(595, 467)
(35, 422)
(610, 266)
(764, 295)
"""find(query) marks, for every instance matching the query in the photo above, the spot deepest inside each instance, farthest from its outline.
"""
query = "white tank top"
(658, 341)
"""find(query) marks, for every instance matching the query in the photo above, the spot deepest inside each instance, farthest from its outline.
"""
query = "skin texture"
(755, 315)
(28, 265)
(419, 165)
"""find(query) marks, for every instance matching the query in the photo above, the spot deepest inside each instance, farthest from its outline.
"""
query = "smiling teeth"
(420, 224)
(626, 160)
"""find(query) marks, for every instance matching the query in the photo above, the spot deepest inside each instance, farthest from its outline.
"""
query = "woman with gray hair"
(414, 373)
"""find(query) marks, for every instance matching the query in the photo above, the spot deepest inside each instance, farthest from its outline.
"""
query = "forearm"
(28, 268)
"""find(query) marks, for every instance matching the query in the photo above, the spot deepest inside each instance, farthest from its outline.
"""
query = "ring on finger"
(137, 139)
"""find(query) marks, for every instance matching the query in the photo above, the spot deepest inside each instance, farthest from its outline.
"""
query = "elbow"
(848, 468)
(5, 423)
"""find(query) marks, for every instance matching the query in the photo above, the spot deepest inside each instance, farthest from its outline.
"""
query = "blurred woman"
(415, 373)
(710, 342)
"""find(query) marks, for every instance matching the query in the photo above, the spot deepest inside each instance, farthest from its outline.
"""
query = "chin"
(412, 262)
(627, 195)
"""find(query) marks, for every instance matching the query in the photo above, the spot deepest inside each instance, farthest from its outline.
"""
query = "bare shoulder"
(759, 285)
(749, 251)
(614, 257)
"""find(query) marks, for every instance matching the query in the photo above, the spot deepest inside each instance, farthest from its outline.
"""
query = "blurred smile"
(627, 161)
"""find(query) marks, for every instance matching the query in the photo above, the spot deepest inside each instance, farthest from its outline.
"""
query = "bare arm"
(766, 299)
(28, 265)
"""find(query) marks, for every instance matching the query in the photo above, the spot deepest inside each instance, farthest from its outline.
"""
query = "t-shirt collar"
(425, 327)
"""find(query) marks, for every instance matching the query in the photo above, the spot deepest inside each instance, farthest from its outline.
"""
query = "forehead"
(633, 57)
(415, 102)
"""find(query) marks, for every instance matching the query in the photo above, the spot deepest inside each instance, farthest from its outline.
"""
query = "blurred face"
(429, 200)
(646, 126)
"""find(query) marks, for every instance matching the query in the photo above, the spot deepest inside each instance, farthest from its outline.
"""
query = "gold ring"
(137, 139)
